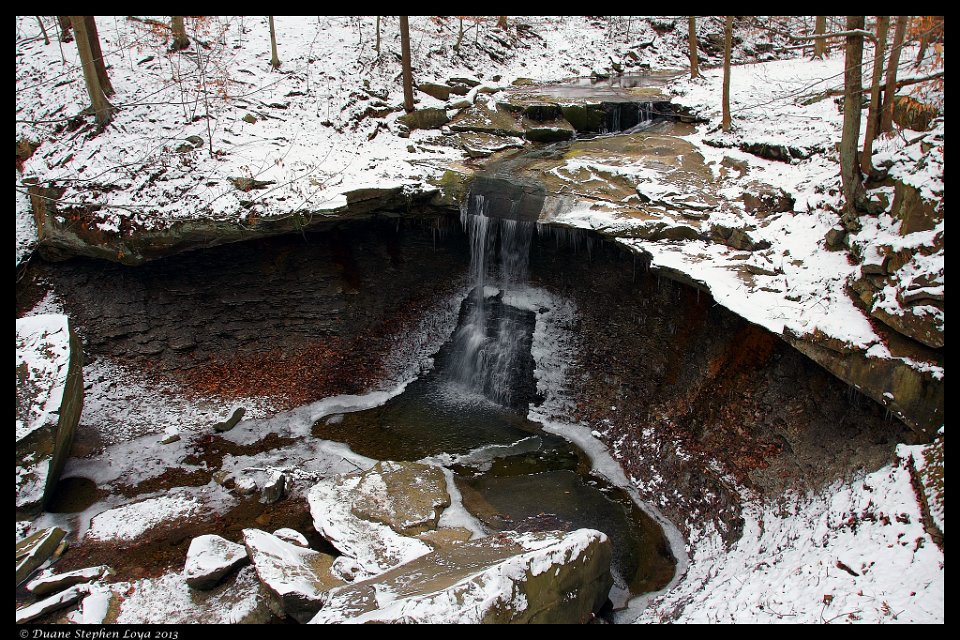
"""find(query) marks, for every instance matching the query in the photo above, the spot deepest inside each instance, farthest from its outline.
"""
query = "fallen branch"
(837, 34)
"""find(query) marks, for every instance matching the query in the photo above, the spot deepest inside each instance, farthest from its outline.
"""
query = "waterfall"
(492, 342)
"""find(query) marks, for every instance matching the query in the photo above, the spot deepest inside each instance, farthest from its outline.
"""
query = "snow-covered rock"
(300, 577)
(49, 403)
(168, 600)
(209, 559)
(549, 577)
(50, 582)
(292, 536)
(59, 601)
(134, 520)
(34, 550)
(361, 513)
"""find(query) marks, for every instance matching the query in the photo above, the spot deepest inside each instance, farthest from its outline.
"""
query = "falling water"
(492, 343)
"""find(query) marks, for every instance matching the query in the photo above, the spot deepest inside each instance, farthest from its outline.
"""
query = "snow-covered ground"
(855, 552)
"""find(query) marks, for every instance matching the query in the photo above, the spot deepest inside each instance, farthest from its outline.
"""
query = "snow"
(168, 600)
(43, 351)
(786, 566)
(133, 520)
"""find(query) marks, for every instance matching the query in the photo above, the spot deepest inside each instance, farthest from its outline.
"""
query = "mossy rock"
(429, 118)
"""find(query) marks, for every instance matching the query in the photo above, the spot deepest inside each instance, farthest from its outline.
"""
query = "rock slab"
(549, 577)
(209, 559)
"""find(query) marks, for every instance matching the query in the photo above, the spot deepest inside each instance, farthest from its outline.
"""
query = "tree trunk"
(405, 59)
(376, 47)
(274, 58)
(890, 91)
(924, 43)
(456, 47)
(820, 46)
(180, 39)
(727, 51)
(65, 27)
(502, 22)
(692, 37)
(873, 114)
(102, 108)
(852, 101)
(43, 30)
(99, 63)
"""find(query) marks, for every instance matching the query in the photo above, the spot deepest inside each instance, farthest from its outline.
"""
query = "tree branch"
(837, 34)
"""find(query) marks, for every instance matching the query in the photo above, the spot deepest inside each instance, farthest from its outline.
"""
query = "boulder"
(763, 199)
(556, 130)
(360, 513)
(483, 119)
(429, 118)
(408, 497)
(436, 90)
(273, 488)
(209, 559)
(34, 550)
(292, 536)
(300, 577)
(548, 577)
(481, 145)
(915, 212)
(168, 600)
(48, 583)
(49, 403)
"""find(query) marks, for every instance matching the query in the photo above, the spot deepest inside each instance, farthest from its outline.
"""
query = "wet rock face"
(275, 316)
(674, 381)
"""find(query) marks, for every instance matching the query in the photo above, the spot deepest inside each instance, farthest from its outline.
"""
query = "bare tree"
(727, 51)
(405, 60)
(376, 47)
(852, 100)
(692, 38)
(820, 46)
(99, 63)
(873, 114)
(274, 58)
(65, 27)
(890, 91)
(180, 39)
(101, 107)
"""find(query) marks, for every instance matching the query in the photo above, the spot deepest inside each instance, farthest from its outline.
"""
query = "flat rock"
(376, 546)
(299, 577)
(168, 600)
(49, 403)
(34, 550)
(483, 119)
(209, 559)
(550, 577)
(408, 497)
(53, 582)
(481, 145)
(556, 130)
(59, 601)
